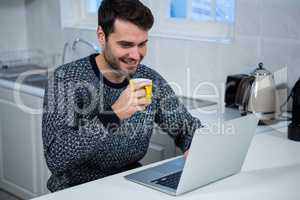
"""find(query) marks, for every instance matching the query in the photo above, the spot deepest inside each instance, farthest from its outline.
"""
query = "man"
(94, 123)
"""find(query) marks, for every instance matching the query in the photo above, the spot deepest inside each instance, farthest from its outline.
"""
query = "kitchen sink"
(37, 80)
(32, 75)
(10, 72)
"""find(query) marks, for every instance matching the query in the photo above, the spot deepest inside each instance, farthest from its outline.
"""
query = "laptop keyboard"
(170, 181)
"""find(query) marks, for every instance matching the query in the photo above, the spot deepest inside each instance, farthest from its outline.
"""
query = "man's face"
(125, 48)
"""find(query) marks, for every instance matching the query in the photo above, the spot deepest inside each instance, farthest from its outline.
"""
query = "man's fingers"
(140, 93)
(185, 155)
(140, 108)
(143, 102)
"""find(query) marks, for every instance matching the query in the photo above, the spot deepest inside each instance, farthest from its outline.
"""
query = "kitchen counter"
(36, 83)
(26, 88)
(30, 79)
(271, 171)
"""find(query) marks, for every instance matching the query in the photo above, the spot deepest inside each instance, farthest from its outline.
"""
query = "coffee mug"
(148, 87)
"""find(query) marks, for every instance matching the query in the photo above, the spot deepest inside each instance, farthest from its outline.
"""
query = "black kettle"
(294, 126)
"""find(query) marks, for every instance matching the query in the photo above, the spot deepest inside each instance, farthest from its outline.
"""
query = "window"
(92, 6)
(203, 10)
(186, 19)
(211, 20)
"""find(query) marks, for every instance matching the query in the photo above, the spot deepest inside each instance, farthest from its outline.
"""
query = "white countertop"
(35, 91)
(271, 171)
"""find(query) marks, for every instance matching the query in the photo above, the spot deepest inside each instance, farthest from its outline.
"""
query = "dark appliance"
(232, 84)
(294, 126)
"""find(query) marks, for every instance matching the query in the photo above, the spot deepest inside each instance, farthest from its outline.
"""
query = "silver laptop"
(217, 151)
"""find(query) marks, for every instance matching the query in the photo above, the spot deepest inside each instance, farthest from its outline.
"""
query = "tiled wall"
(266, 31)
(13, 31)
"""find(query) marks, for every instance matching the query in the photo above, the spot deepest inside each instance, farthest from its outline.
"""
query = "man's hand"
(185, 155)
(131, 100)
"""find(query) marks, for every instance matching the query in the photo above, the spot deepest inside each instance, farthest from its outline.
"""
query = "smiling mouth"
(130, 62)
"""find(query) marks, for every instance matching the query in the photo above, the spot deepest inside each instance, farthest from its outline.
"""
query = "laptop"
(217, 151)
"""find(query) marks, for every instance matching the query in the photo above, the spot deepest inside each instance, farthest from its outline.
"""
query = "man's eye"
(142, 45)
(126, 45)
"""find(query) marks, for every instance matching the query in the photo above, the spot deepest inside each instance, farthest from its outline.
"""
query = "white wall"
(266, 30)
(13, 31)
(45, 30)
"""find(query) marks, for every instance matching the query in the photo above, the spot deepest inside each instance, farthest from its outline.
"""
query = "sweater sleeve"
(70, 140)
(109, 117)
(173, 117)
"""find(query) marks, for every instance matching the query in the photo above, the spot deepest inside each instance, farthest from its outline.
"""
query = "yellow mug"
(148, 87)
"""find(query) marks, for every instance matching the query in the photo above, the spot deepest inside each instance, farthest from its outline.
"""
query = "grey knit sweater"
(84, 140)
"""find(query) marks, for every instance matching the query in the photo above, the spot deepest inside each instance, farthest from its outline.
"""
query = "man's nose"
(134, 53)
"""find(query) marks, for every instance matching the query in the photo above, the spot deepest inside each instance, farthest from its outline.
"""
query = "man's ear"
(100, 36)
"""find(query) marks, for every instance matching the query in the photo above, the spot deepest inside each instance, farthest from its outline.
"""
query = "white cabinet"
(23, 171)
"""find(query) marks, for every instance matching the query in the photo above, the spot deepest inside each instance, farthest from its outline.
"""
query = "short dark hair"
(128, 10)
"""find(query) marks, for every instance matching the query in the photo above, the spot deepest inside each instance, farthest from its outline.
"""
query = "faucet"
(64, 53)
(90, 44)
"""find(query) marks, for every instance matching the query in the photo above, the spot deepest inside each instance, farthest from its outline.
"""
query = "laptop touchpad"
(171, 166)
